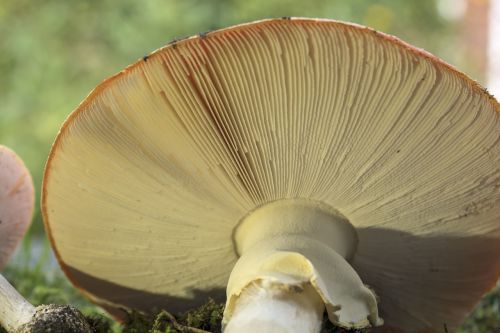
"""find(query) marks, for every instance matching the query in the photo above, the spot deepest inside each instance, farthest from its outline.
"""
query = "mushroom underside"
(149, 178)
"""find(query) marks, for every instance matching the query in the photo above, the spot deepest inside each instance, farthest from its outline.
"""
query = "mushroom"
(303, 165)
(17, 198)
(16, 208)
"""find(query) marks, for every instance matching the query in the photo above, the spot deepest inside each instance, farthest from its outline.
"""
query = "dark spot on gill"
(173, 43)
(203, 35)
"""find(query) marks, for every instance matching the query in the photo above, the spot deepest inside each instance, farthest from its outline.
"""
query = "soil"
(56, 319)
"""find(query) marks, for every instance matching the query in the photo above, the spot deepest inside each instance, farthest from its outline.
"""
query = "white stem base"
(15, 311)
(264, 308)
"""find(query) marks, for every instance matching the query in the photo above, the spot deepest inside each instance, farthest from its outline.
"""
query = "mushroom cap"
(149, 176)
(17, 200)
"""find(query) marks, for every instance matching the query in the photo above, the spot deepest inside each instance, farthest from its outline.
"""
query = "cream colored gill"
(136, 215)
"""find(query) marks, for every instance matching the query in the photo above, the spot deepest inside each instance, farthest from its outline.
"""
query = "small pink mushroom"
(17, 198)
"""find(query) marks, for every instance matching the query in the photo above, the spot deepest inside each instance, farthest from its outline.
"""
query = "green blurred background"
(53, 52)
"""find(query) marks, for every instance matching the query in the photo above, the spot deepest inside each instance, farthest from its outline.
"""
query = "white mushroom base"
(293, 254)
(264, 307)
(15, 311)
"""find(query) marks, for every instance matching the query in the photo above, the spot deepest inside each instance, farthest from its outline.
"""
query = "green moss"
(207, 318)
(99, 324)
(137, 322)
(164, 323)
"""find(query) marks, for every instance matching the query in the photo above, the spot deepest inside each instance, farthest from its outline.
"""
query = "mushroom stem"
(264, 308)
(294, 254)
(15, 311)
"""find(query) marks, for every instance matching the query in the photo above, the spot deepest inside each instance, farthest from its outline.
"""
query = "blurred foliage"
(486, 316)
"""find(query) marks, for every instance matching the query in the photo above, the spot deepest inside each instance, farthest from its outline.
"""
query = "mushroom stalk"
(15, 311)
(294, 257)
(265, 308)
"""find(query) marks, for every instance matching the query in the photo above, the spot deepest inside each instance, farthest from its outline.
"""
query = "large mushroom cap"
(17, 200)
(149, 177)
